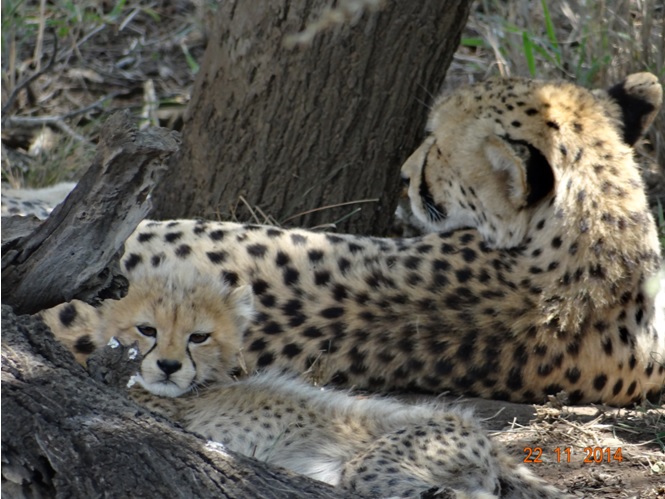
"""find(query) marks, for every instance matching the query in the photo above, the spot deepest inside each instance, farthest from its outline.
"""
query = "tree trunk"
(65, 435)
(289, 130)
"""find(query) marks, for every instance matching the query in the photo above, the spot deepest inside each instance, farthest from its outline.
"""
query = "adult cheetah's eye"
(198, 337)
(148, 331)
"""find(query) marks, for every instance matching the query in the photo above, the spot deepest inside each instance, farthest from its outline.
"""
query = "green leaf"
(472, 42)
(551, 33)
(191, 62)
(527, 44)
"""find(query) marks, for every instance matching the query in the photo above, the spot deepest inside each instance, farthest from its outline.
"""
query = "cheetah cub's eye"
(198, 337)
(148, 331)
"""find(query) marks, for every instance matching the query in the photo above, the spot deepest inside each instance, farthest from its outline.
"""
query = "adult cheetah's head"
(189, 328)
(498, 153)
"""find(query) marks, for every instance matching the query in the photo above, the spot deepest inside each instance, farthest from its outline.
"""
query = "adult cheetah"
(536, 285)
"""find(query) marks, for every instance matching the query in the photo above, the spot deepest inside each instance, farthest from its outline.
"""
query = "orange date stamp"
(592, 455)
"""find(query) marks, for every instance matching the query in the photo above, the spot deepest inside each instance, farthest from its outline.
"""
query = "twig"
(328, 207)
(32, 121)
(248, 206)
(30, 79)
(71, 132)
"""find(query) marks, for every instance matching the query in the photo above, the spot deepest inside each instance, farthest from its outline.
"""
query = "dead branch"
(68, 255)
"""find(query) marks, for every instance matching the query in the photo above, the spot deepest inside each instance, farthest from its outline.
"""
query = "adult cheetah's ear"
(639, 97)
(526, 173)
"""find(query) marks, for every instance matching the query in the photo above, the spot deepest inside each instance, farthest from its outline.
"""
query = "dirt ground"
(128, 59)
(588, 451)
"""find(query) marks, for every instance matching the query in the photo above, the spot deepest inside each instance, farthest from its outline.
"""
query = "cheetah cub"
(189, 330)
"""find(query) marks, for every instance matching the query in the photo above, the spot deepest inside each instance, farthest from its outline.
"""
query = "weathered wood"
(65, 435)
(292, 130)
(68, 255)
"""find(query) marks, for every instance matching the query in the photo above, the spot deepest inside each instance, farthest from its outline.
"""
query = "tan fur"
(177, 306)
(535, 292)
(364, 445)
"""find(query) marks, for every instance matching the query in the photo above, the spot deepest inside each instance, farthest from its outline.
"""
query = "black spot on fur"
(332, 312)
(412, 262)
(172, 237)
(469, 255)
(340, 292)
(355, 248)
(258, 345)
(298, 239)
(132, 261)
(292, 307)
(144, 237)
(291, 350)
(463, 275)
(321, 277)
(631, 388)
(231, 278)
(68, 315)
(343, 265)
(315, 256)
(617, 387)
(84, 344)
(257, 250)
(291, 276)
(282, 259)
(265, 359)
(599, 382)
(272, 327)
(575, 397)
(439, 265)
(514, 381)
(607, 346)
(267, 300)
(216, 235)
(312, 332)
(260, 286)
(573, 375)
(217, 257)
(183, 251)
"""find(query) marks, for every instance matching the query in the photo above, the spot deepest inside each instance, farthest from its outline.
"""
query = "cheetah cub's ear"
(242, 301)
(521, 168)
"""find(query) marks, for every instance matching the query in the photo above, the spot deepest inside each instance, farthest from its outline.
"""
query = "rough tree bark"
(68, 255)
(65, 435)
(291, 130)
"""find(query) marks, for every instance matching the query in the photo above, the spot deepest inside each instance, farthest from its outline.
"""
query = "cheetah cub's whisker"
(189, 329)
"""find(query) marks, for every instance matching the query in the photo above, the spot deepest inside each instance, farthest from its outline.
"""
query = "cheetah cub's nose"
(169, 366)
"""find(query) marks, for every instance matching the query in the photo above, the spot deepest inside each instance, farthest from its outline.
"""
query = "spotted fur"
(375, 447)
(37, 202)
(534, 285)
(188, 328)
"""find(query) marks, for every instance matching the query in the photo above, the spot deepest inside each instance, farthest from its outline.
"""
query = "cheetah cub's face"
(188, 327)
